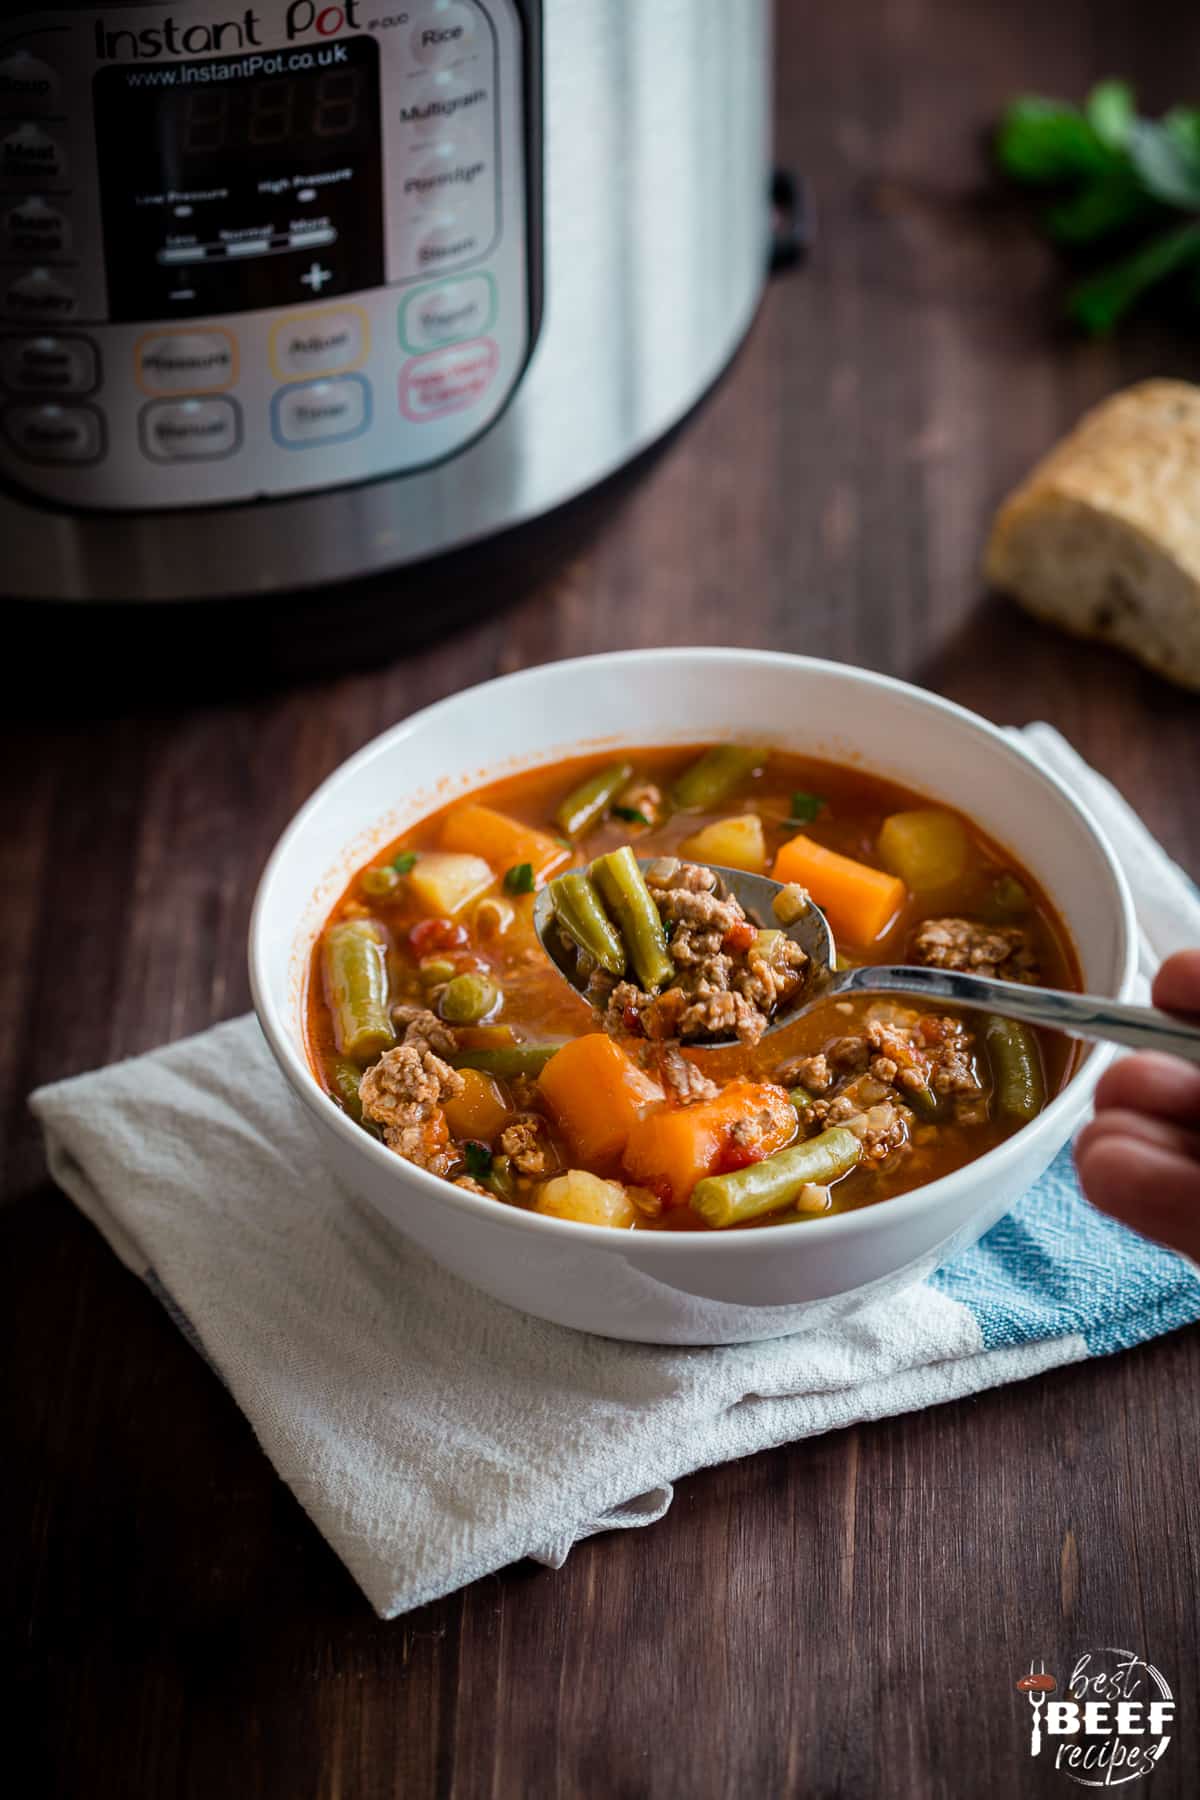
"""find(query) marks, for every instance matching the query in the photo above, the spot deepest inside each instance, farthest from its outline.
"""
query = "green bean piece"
(377, 884)
(627, 898)
(507, 1060)
(1009, 899)
(467, 999)
(801, 1099)
(354, 964)
(713, 778)
(925, 1103)
(766, 1186)
(587, 804)
(500, 1178)
(578, 910)
(344, 1077)
(1016, 1066)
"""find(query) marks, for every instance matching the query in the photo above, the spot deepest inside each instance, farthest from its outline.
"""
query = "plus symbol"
(317, 277)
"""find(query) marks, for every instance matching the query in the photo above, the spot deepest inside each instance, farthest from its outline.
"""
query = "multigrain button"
(321, 412)
(186, 362)
(443, 32)
(440, 98)
(319, 343)
(448, 313)
(30, 153)
(49, 365)
(55, 434)
(27, 85)
(41, 294)
(190, 430)
(35, 228)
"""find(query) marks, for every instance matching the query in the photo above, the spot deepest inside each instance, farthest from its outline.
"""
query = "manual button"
(321, 412)
(319, 343)
(190, 362)
(190, 430)
(55, 434)
(49, 365)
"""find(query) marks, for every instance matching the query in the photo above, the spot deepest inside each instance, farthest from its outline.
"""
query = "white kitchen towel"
(434, 1435)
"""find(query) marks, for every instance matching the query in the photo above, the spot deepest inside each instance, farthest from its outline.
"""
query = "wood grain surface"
(844, 1617)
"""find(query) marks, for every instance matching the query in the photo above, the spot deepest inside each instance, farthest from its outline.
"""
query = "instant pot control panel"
(254, 250)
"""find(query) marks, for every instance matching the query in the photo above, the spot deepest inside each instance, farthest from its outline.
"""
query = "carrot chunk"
(859, 902)
(502, 842)
(671, 1151)
(480, 1110)
(597, 1095)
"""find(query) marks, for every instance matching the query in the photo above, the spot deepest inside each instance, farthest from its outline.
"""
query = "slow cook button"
(49, 365)
(448, 313)
(41, 294)
(190, 430)
(30, 153)
(189, 362)
(446, 381)
(55, 434)
(34, 228)
(321, 412)
(443, 32)
(27, 85)
(322, 343)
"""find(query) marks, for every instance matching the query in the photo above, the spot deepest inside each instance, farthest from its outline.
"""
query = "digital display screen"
(240, 183)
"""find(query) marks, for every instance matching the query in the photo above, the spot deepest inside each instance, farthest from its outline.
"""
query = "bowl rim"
(917, 1202)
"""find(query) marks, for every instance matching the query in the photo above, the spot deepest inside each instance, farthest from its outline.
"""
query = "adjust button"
(29, 153)
(49, 365)
(41, 294)
(321, 412)
(190, 430)
(55, 434)
(27, 85)
(186, 362)
(448, 313)
(319, 343)
(34, 228)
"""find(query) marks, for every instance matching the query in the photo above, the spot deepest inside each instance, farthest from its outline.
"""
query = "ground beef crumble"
(1002, 951)
(683, 1080)
(528, 1143)
(407, 1088)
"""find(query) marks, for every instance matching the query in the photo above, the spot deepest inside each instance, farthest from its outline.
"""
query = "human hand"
(1139, 1158)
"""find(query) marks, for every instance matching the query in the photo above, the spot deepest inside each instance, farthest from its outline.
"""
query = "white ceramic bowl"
(684, 1288)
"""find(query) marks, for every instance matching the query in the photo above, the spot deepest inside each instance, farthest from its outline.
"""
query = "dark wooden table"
(843, 1617)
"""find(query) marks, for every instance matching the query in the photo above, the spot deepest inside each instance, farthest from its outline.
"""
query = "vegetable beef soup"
(656, 1098)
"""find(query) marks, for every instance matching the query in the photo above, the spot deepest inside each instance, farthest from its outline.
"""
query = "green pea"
(435, 970)
(467, 999)
(379, 883)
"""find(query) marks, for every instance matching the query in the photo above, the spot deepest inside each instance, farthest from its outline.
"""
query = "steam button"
(443, 32)
(55, 434)
(27, 85)
(29, 153)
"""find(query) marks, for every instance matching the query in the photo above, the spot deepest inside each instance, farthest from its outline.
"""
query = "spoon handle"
(1081, 1015)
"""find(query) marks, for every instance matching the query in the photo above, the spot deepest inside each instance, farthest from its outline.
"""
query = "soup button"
(320, 412)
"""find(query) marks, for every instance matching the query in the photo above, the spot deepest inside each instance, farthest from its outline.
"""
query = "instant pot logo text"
(1111, 1726)
(169, 38)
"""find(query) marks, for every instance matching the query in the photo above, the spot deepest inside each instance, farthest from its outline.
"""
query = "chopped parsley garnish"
(805, 808)
(478, 1159)
(519, 879)
(630, 814)
(405, 862)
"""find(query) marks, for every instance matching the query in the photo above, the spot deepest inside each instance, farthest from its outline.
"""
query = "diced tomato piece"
(631, 1019)
(738, 1156)
(738, 938)
(437, 934)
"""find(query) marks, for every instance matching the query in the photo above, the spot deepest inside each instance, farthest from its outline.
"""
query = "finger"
(1155, 1191)
(1154, 1083)
(1165, 1134)
(1177, 984)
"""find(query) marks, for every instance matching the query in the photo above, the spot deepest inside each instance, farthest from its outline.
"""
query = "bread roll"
(1104, 536)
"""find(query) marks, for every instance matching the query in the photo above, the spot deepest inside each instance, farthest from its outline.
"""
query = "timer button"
(41, 294)
(321, 412)
(448, 313)
(190, 430)
(30, 154)
(56, 434)
(186, 362)
(34, 228)
(27, 85)
(49, 365)
(319, 343)
(443, 33)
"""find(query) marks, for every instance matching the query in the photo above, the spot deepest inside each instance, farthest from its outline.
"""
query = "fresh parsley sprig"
(1116, 177)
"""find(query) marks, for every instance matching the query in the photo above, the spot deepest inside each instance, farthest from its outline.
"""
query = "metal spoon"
(1080, 1015)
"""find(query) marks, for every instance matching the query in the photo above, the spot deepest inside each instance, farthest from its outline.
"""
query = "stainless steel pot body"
(643, 240)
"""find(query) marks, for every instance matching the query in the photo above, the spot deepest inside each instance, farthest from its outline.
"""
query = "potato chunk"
(731, 843)
(587, 1199)
(445, 882)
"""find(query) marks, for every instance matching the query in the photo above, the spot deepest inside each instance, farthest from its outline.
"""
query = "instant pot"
(297, 290)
